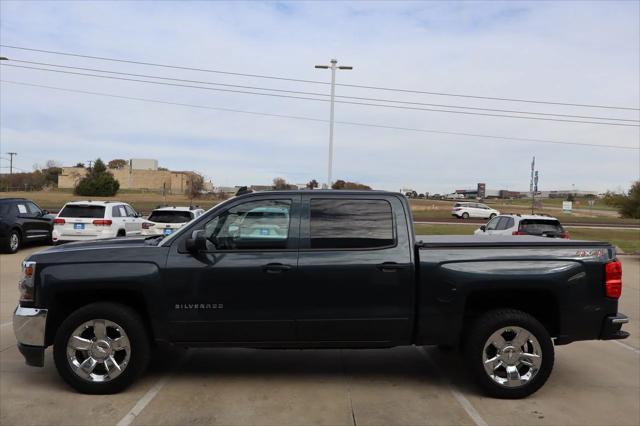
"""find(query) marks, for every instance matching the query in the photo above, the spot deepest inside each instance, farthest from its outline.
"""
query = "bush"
(628, 204)
(98, 182)
(341, 184)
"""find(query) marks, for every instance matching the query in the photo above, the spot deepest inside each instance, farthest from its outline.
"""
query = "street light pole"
(333, 67)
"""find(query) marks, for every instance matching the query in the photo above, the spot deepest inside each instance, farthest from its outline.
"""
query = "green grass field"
(628, 240)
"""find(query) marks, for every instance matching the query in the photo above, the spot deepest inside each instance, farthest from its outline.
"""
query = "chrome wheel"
(14, 241)
(98, 350)
(512, 356)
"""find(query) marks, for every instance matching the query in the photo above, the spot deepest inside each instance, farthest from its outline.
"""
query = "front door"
(242, 289)
(35, 225)
(356, 276)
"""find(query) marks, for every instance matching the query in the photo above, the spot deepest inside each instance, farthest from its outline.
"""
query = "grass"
(628, 240)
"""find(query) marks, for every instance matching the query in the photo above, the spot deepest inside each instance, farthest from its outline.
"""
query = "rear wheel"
(101, 348)
(465, 215)
(510, 353)
(121, 233)
(13, 242)
(492, 215)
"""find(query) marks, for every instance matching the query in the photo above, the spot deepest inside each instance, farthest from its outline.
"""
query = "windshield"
(82, 210)
(170, 216)
(540, 226)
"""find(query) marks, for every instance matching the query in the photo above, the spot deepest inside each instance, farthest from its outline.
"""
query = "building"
(142, 174)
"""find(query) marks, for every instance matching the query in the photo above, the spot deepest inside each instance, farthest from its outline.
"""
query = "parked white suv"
(166, 220)
(516, 224)
(88, 220)
(467, 210)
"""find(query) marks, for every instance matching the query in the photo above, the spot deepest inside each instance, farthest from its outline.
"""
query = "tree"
(628, 204)
(280, 184)
(342, 184)
(195, 185)
(79, 165)
(51, 173)
(117, 163)
(312, 184)
(98, 182)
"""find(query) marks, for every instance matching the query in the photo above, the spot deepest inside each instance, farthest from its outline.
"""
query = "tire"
(492, 215)
(120, 322)
(121, 233)
(465, 215)
(527, 377)
(13, 242)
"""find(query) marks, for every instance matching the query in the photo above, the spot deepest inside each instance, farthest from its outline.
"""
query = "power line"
(320, 94)
(359, 86)
(350, 123)
(321, 100)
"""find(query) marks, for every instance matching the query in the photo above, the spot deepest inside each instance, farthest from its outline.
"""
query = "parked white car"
(88, 220)
(478, 210)
(166, 220)
(516, 224)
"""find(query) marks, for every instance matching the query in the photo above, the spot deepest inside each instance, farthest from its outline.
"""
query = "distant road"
(477, 222)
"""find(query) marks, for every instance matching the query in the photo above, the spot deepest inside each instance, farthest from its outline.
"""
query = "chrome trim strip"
(619, 320)
(29, 325)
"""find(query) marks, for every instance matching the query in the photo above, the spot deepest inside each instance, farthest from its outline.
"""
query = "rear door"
(133, 224)
(356, 274)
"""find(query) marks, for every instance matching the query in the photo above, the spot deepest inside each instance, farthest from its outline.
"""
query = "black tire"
(465, 215)
(7, 244)
(134, 328)
(479, 333)
(121, 233)
(492, 215)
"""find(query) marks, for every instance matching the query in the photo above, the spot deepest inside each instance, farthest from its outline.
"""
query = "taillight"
(613, 279)
(564, 234)
(102, 222)
(147, 225)
(518, 233)
(58, 221)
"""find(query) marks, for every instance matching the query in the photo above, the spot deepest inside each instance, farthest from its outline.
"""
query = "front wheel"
(492, 215)
(101, 348)
(510, 353)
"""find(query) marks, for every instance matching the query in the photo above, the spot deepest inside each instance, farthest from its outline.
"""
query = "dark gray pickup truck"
(316, 269)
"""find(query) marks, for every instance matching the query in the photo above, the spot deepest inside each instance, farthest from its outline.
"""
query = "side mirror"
(483, 228)
(197, 242)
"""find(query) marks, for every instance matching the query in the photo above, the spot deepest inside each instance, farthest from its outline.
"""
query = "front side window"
(493, 223)
(350, 224)
(254, 225)
(130, 211)
(33, 209)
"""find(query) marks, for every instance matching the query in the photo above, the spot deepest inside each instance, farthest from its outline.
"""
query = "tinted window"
(22, 208)
(82, 210)
(130, 211)
(33, 209)
(503, 223)
(541, 226)
(170, 216)
(259, 225)
(5, 209)
(115, 211)
(350, 224)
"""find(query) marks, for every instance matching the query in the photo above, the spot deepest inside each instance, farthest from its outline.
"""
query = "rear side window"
(350, 224)
(170, 216)
(115, 211)
(82, 210)
(540, 226)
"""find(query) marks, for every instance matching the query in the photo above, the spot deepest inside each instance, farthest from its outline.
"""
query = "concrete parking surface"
(593, 382)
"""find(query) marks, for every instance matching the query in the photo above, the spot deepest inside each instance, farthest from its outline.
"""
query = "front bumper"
(612, 327)
(29, 326)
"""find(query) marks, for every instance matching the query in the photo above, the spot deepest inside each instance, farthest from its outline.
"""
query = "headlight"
(26, 284)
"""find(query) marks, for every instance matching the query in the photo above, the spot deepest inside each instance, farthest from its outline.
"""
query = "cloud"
(573, 52)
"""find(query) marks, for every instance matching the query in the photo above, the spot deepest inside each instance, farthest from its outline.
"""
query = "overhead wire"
(351, 123)
(322, 100)
(360, 86)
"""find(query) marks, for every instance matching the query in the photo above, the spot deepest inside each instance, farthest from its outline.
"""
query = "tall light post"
(333, 67)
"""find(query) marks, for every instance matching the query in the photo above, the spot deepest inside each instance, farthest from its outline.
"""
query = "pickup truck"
(316, 269)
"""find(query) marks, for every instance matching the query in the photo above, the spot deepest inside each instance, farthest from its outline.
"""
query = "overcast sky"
(571, 52)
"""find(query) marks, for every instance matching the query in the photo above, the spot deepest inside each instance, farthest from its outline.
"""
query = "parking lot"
(594, 382)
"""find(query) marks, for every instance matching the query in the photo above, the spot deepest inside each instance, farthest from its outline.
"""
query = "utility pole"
(90, 163)
(333, 67)
(11, 154)
(533, 194)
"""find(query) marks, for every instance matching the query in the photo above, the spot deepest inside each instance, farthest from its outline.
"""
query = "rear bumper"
(612, 327)
(29, 326)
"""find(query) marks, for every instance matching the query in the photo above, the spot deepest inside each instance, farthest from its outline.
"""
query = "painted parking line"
(628, 347)
(462, 400)
(141, 404)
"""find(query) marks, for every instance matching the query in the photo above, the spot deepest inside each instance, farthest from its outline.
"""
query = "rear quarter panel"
(570, 280)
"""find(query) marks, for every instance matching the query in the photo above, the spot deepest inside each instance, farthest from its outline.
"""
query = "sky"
(566, 52)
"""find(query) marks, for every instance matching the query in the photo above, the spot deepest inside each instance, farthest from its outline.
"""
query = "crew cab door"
(356, 273)
(34, 225)
(243, 287)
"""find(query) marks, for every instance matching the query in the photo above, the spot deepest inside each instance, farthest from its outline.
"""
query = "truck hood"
(108, 248)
